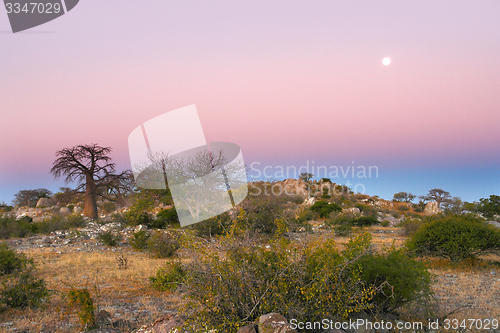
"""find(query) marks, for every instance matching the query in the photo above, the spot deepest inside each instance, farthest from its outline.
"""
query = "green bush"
(5, 208)
(364, 221)
(59, 223)
(20, 286)
(24, 227)
(262, 210)
(343, 229)
(324, 208)
(455, 238)
(107, 238)
(135, 218)
(10, 227)
(163, 244)
(23, 289)
(10, 260)
(168, 278)
(400, 279)
(307, 283)
(165, 218)
(411, 226)
(489, 207)
(139, 240)
(80, 298)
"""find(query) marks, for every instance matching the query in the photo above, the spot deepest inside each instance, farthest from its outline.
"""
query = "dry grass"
(463, 291)
(119, 291)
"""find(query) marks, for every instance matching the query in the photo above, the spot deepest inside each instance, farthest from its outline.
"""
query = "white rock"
(431, 208)
(64, 211)
(45, 202)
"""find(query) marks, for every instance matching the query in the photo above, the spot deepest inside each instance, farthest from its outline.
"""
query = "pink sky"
(289, 82)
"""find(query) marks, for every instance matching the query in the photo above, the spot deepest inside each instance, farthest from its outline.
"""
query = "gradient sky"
(289, 81)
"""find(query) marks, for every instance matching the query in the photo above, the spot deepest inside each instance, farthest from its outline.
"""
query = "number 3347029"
(33, 7)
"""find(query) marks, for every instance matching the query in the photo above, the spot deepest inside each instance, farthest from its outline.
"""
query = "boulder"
(309, 202)
(391, 219)
(45, 202)
(113, 226)
(140, 227)
(274, 323)
(167, 324)
(432, 208)
(294, 187)
(77, 210)
(352, 210)
(64, 211)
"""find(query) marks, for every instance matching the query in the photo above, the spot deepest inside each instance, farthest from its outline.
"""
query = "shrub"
(364, 221)
(81, 299)
(108, 207)
(20, 287)
(401, 279)
(232, 289)
(324, 208)
(168, 278)
(139, 240)
(107, 238)
(9, 227)
(136, 218)
(59, 223)
(262, 210)
(306, 215)
(212, 226)
(455, 238)
(343, 229)
(403, 208)
(24, 289)
(325, 196)
(10, 261)
(5, 208)
(411, 226)
(163, 245)
(166, 217)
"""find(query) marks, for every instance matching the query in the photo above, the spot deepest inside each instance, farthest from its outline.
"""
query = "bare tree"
(438, 195)
(91, 167)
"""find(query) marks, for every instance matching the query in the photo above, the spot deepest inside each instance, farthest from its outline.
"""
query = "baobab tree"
(91, 167)
(438, 195)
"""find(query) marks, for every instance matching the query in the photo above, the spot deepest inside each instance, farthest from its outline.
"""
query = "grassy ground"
(465, 291)
(122, 291)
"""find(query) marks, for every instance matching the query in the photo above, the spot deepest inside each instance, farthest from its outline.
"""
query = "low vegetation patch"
(455, 238)
(19, 285)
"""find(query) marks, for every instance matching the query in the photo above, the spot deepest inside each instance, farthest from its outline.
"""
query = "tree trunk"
(90, 208)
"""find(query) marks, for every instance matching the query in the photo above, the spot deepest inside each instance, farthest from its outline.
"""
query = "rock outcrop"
(45, 202)
(432, 208)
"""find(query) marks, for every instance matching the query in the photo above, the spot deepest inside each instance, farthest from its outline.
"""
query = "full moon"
(386, 61)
